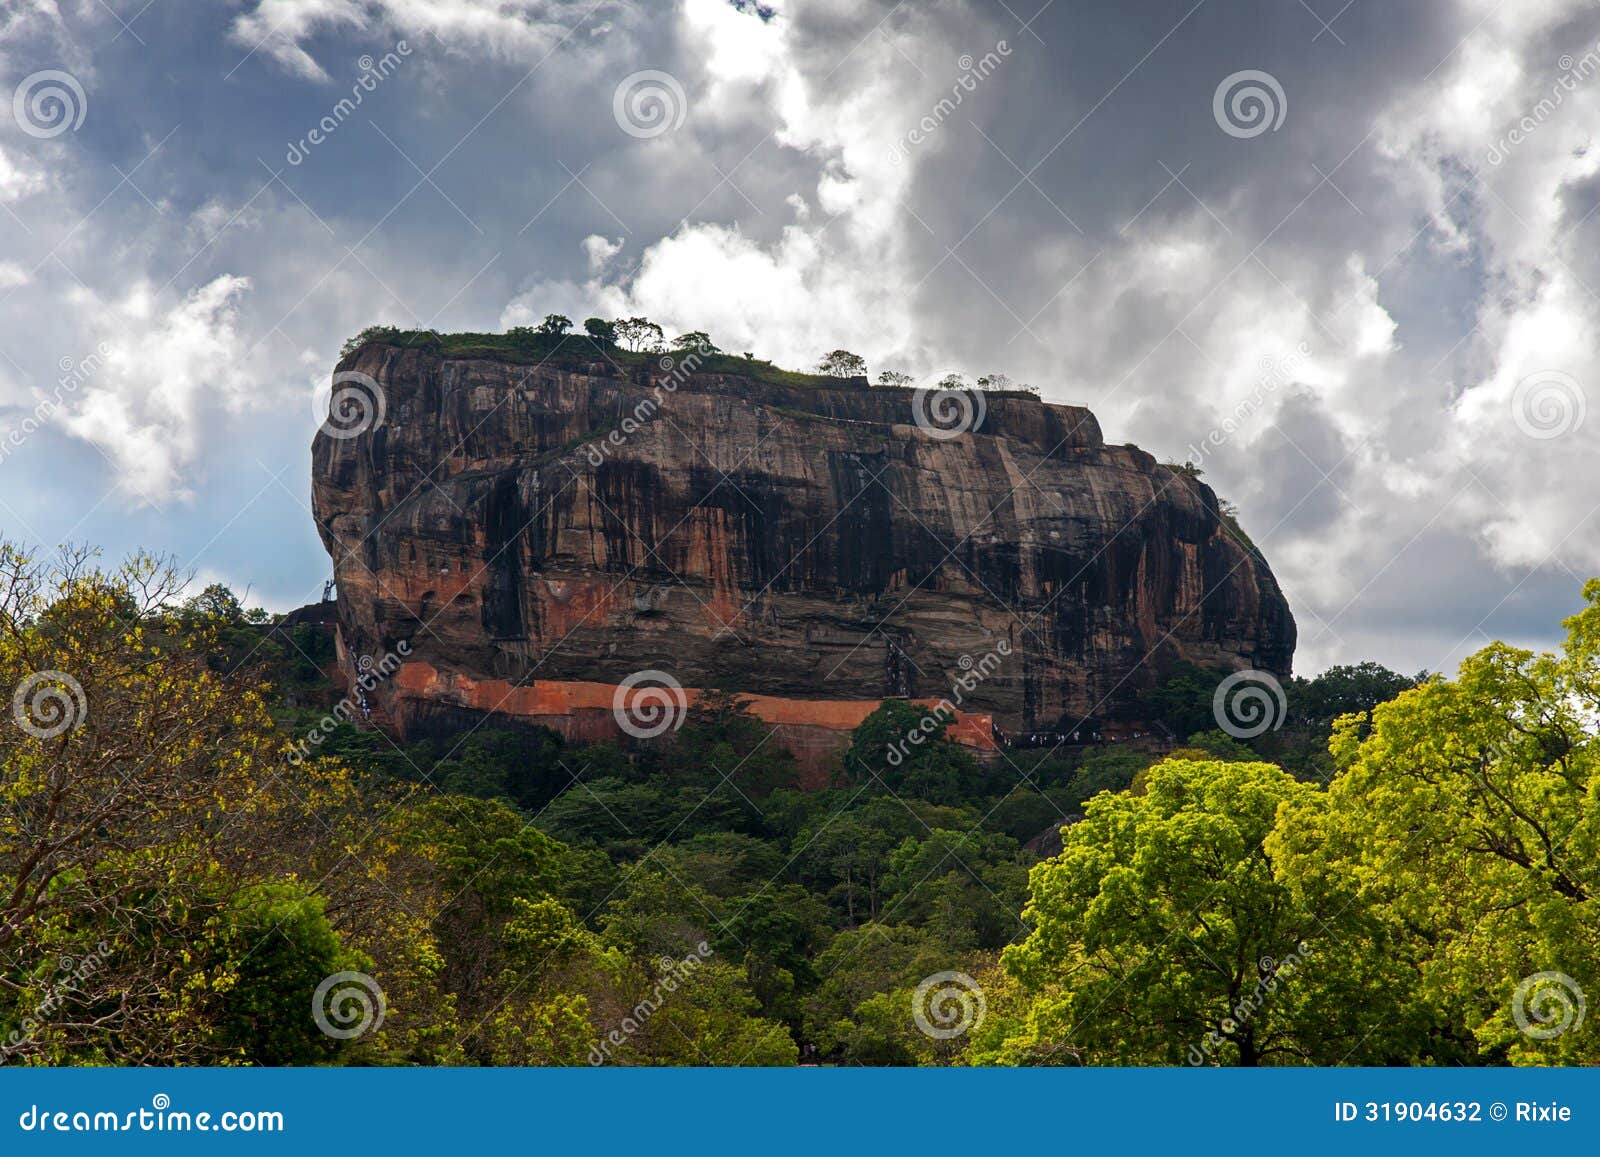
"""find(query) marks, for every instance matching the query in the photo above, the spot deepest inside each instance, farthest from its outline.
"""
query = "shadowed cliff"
(523, 519)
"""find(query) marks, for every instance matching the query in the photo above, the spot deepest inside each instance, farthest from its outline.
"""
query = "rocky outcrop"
(521, 522)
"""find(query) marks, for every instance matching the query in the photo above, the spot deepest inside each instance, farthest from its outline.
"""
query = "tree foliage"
(697, 341)
(843, 364)
(1411, 881)
(1163, 936)
(639, 334)
(1469, 816)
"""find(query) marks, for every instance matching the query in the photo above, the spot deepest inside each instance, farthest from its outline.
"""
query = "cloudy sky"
(1341, 254)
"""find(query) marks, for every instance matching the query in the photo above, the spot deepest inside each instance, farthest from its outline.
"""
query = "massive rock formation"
(537, 526)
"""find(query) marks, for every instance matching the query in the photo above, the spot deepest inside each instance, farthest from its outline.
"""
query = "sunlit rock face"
(524, 521)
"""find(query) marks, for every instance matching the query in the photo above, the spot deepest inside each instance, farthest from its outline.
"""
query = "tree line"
(641, 335)
(1402, 874)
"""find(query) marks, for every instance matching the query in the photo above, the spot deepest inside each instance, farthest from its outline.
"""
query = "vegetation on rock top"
(630, 343)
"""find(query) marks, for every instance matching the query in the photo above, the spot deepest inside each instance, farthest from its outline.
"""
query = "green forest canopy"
(1403, 874)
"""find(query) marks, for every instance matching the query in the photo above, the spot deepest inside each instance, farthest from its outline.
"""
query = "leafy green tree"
(1218, 744)
(843, 364)
(710, 1013)
(137, 781)
(217, 602)
(654, 914)
(849, 857)
(894, 378)
(491, 885)
(844, 851)
(1469, 816)
(528, 768)
(639, 333)
(271, 946)
(775, 932)
(629, 819)
(856, 965)
(902, 748)
(1183, 699)
(712, 1019)
(527, 1030)
(536, 1020)
(1162, 935)
(722, 745)
(553, 325)
(696, 340)
(1354, 689)
(601, 330)
(725, 863)
(968, 886)
(370, 334)
(215, 623)
(1113, 770)
(881, 1031)
(1301, 744)
(1028, 811)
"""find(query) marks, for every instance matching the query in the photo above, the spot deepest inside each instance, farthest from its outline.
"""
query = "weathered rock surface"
(800, 539)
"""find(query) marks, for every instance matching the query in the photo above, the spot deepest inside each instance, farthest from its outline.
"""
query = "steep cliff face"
(523, 525)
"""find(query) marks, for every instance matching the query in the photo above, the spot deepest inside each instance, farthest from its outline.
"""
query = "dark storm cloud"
(1359, 283)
